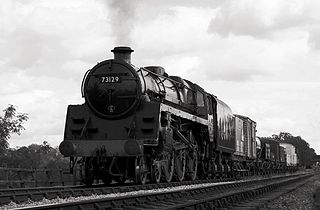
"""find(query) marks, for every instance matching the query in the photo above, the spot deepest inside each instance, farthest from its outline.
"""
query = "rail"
(207, 196)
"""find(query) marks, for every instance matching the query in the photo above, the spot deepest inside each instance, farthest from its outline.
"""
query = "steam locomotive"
(142, 124)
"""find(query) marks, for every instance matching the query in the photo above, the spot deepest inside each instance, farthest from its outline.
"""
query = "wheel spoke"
(192, 164)
(168, 166)
(180, 164)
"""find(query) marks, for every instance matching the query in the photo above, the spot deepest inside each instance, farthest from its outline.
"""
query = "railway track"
(261, 201)
(179, 196)
(20, 195)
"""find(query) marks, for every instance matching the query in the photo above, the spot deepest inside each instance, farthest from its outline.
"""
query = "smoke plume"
(123, 13)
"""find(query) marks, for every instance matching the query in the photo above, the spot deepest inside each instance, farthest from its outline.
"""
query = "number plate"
(110, 79)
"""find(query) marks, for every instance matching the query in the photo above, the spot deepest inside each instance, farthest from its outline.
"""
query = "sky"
(261, 57)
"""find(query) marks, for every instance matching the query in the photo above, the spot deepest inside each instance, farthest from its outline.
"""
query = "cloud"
(314, 38)
(258, 19)
(40, 37)
(29, 47)
(233, 74)
(260, 57)
(44, 98)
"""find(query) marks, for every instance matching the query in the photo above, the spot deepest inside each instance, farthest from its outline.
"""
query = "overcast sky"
(260, 57)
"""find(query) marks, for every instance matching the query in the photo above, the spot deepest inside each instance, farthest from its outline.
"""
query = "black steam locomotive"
(141, 123)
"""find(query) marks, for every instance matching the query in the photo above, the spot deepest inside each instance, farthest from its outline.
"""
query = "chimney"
(122, 53)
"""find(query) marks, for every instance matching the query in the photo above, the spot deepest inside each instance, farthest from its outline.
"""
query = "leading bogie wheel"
(87, 171)
(106, 179)
(120, 179)
(141, 170)
(155, 171)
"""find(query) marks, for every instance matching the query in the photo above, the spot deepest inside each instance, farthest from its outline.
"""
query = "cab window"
(190, 96)
(210, 105)
(200, 99)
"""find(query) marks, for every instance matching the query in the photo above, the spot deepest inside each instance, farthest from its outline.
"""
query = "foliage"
(303, 150)
(36, 156)
(10, 122)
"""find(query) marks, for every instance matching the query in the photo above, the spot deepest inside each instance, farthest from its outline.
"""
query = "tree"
(11, 122)
(303, 150)
(36, 156)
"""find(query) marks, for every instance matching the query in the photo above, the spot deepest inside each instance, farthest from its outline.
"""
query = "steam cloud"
(122, 20)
